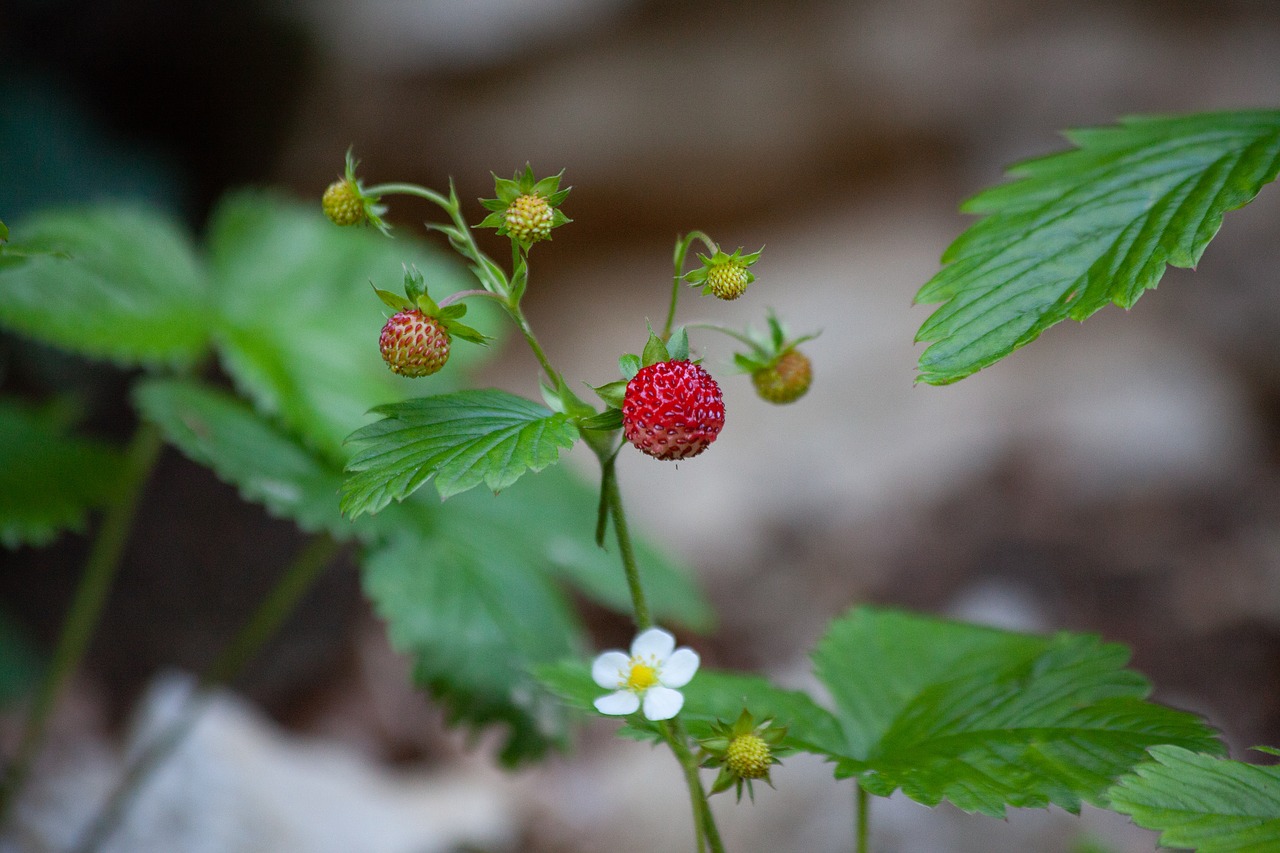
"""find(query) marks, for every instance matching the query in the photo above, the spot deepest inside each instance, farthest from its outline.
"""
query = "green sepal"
(497, 219)
(612, 393)
(724, 782)
(629, 365)
(655, 351)
(391, 300)
(678, 345)
(558, 218)
(495, 204)
(606, 421)
(414, 286)
(549, 187)
(453, 312)
(466, 333)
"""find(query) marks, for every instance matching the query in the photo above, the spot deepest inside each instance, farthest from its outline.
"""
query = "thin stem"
(708, 836)
(262, 625)
(613, 496)
(467, 294)
(409, 189)
(863, 809)
(682, 249)
(86, 607)
(522, 322)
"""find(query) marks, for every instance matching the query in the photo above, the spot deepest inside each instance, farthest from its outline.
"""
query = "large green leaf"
(120, 283)
(1201, 802)
(299, 322)
(49, 479)
(476, 619)
(1089, 227)
(267, 465)
(552, 518)
(988, 718)
(461, 440)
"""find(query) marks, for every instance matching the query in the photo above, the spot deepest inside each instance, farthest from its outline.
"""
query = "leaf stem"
(682, 249)
(281, 601)
(86, 607)
(863, 809)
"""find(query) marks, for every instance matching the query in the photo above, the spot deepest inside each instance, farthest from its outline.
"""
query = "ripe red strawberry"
(672, 410)
(414, 344)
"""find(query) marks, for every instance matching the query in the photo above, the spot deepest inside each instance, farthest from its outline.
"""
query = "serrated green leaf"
(266, 465)
(461, 440)
(987, 718)
(130, 288)
(1201, 802)
(475, 619)
(298, 329)
(1084, 228)
(550, 517)
(49, 479)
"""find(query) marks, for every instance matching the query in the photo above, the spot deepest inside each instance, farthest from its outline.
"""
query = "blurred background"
(1118, 476)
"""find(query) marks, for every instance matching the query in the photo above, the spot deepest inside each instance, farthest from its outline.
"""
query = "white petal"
(662, 703)
(679, 668)
(619, 704)
(654, 643)
(611, 669)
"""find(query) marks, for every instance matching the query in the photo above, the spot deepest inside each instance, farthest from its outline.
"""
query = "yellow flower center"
(748, 756)
(641, 677)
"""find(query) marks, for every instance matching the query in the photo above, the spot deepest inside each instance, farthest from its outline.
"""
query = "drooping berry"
(529, 218)
(728, 280)
(672, 410)
(342, 203)
(749, 756)
(414, 344)
(786, 380)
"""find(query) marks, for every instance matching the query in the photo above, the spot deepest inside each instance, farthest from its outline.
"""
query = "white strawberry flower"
(648, 677)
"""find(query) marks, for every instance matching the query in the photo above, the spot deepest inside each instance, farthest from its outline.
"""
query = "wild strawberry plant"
(473, 588)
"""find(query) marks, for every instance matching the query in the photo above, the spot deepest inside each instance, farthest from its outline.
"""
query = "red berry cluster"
(672, 410)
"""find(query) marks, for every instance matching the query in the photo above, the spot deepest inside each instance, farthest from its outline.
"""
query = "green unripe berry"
(342, 203)
(529, 219)
(786, 380)
(748, 756)
(728, 281)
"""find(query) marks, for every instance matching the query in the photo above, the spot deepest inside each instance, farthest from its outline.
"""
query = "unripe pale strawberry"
(786, 380)
(672, 410)
(728, 280)
(414, 344)
(342, 203)
(529, 218)
(749, 756)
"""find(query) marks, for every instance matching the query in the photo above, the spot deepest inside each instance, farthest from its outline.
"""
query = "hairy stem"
(261, 626)
(86, 607)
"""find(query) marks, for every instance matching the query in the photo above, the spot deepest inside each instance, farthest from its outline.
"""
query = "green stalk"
(682, 250)
(708, 836)
(262, 625)
(613, 497)
(82, 618)
(863, 810)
